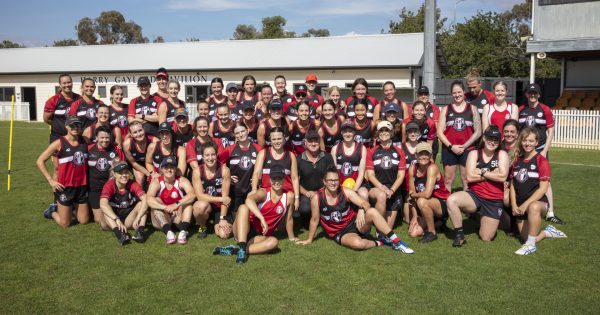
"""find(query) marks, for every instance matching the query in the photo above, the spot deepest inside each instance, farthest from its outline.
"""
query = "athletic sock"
(166, 228)
(242, 245)
(550, 213)
(378, 243)
(393, 237)
(531, 240)
(183, 226)
(460, 232)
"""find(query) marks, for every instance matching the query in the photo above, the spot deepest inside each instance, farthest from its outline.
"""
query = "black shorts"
(451, 159)
(395, 202)
(444, 208)
(71, 195)
(350, 228)
(236, 202)
(94, 198)
(488, 207)
(122, 213)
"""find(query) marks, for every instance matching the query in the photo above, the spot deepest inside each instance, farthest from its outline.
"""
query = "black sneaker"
(459, 240)
(48, 212)
(202, 233)
(242, 257)
(139, 235)
(556, 220)
(428, 238)
(123, 238)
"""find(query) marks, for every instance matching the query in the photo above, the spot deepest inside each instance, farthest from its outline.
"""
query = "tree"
(411, 22)
(9, 44)
(192, 39)
(272, 27)
(158, 39)
(244, 31)
(65, 42)
(109, 28)
(322, 32)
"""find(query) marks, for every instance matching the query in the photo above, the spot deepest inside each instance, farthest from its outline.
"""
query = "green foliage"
(10, 44)
(65, 42)
(411, 22)
(244, 31)
(322, 32)
(109, 28)
(158, 39)
(273, 27)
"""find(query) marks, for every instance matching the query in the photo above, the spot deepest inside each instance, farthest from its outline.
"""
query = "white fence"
(577, 129)
(21, 111)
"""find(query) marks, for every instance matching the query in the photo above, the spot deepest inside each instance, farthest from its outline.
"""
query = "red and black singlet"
(212, 186)
(439, 189)
(527, 175)
(337, 216)
(364, 135)
(385, 162)
(488, 189)
(59, 106)
(171, 195)
(122, 201)
(85, 111)
(182, 138)
(297, 136)
(149, 106)
(351, 101)
(241, 163)
(331, 139)
(459, 125)
(224, 134)
(347, 164)
(72, 162)
(539, 117)
(137, 153)
(118, 118)
(99, 163)
(284, 162)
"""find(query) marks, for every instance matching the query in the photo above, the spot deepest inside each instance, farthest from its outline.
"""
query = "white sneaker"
(553, 232)
(182, 238)
(526, 249)
(171, 237)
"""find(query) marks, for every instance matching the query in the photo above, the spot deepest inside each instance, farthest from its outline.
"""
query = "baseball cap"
(423, 90)
(121, 166)
(492, 132)
(73, 120)
(312, 135)
(300, 89)
(164, 126)
(179, 112)
(143, 81)
(311, 77)
(348, 123)
(231, 85)
(385, 124)
(412, 125)
(169, 160)
(391, 107)
(276, 172)
(423, 146)
(162, 72)
(275, 104)
(247, 105)
(533, 87)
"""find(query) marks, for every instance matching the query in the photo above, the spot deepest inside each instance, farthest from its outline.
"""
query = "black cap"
(181, 112)
(143, 81)
(276, 172)
(247, 105)
(533, 87)
(165, 126)
(231, 85)
(492, 132)
(348, 123)
(73, 120)
(423, 90)
(169, 160)
(275, 104)
(120, 166)
(412, 125)
(301, 89)
(312, 134)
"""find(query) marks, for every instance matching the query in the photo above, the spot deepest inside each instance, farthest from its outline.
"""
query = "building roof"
(360, 51)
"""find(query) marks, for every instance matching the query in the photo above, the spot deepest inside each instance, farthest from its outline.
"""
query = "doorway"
(28, 95)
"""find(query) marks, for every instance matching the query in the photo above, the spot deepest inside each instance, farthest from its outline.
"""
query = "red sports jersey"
(539, 117)
(527, 175)
(498, 118)
(439, 189)
(171, 108)
(352, 100)
(241, 163)
(459, 125)
(273, 212)
(118, 119)
(59, 106)
(488, 189)
(85, 111)
(385, 162)
(427, 129)
(296, 142)
(411, 159)
(172, 195)
(192, 150)
(330, 138)
(224, 134)
(480, 101)
(347, 163)
(72, 162)
(212, 186)
(337, 216)
(316, 100)
(124, 199)
(285, 162)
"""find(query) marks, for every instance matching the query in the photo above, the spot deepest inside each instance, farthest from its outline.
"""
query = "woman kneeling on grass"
(346, 217)
(487, 169)
(530, 181)
(123, 203)
(70, 186)
(257, 220)
(170, 197)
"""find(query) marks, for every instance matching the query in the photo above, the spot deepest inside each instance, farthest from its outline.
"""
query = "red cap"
(311, 77)
(162, 72)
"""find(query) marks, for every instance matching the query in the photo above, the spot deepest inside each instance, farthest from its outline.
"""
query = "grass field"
(46, 269)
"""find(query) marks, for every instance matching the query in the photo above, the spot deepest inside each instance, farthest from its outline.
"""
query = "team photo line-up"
(261, 159)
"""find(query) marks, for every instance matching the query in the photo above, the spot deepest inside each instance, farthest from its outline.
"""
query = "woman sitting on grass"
(530, 180)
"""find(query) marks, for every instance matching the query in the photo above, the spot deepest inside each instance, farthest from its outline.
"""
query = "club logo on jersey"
(78, 158)
(174, 194)
(540, 114)
(245, 163)
(530, 121)
(358, 139)
(253, 154)
(484, 102)
(90, 113)
(336, 216)
(279, 210)
(225, 142)
(122, 121)
(459, 124)
(102, 164)
(68, 150)
(145, 110)
(507, 116)
(386, 162)
(522, 175)
(532, 167)
(346, 168)
(420, 188)
(123, 204)
(395, 155)
(211, 191)
(112, 155)
(413, 162)
(233, 116)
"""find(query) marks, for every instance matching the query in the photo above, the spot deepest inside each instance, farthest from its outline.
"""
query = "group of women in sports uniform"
(235, 164)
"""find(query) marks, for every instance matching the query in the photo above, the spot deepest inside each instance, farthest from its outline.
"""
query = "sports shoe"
(428, 238)
(383, 239)
(122, 237)
(242, 256)
(556, 220)
(403, 247)
(171, 237)
(526, 249)
(202, 232)
(554, 232)
(182, 238)
(48, 212)
(139, 235)
(228, 250)
(459, 240)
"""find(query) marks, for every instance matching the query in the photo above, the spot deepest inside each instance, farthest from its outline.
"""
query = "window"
(6, 94)
(102, 91)
(371, 85)
(195, 93)
(125, 91)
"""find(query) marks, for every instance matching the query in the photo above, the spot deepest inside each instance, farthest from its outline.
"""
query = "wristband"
(222, 217)
(143, 116)
(450, 147)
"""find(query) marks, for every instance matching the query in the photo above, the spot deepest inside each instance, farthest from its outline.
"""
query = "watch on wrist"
(450, 147)
(222, 217)
(143, 116)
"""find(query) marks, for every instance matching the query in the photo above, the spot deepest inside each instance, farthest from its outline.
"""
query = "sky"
(39, 23)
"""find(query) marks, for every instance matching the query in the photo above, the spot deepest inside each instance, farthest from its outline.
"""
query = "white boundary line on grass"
(575, 164)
